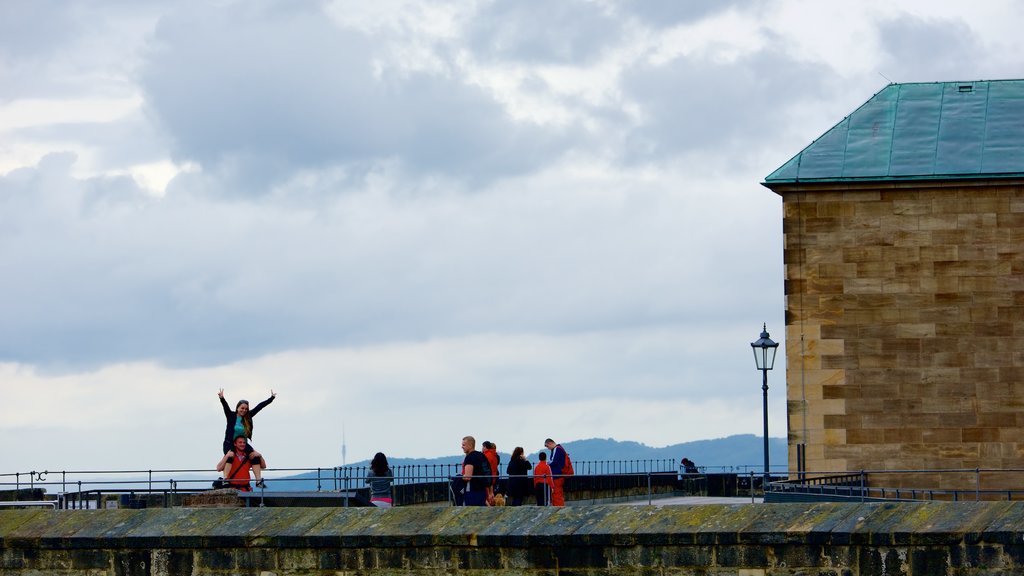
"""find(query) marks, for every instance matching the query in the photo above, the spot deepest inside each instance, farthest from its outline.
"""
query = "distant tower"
(343, 450)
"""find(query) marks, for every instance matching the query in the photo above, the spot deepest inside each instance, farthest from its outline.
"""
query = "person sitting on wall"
(688, 466)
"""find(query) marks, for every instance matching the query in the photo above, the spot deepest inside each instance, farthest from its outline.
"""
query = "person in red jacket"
(491, 453)
(236, 465)
(542, 480)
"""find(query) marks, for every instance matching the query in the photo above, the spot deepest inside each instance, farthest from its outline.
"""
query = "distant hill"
(741, 452)
(733, 452)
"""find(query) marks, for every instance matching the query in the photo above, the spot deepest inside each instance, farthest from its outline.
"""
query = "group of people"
(478, 484)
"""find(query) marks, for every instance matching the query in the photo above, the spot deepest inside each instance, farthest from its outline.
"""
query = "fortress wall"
(933, 538)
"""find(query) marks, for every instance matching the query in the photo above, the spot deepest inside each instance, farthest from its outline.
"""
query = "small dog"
(499, 499)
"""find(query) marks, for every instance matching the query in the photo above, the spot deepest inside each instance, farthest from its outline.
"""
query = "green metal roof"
(943, 130)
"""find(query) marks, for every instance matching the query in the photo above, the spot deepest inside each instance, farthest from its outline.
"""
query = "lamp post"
(764, 358)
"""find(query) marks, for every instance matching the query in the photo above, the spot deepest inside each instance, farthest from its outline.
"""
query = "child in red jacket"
(542, 483)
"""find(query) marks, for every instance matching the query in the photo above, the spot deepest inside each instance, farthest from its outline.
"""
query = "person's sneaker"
(261, 484)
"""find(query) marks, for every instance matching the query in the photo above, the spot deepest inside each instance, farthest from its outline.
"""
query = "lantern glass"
(764, 351)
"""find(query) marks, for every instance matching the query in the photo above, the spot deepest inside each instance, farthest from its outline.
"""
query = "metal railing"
(951, 484)
(29, 504)
(416, 483)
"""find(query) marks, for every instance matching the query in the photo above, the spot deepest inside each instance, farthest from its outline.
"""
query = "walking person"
(559, 470)
(519, 485)
(239, 423)
(379, 478)
(542, 480)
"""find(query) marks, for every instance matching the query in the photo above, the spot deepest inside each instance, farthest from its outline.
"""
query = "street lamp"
(764, 358)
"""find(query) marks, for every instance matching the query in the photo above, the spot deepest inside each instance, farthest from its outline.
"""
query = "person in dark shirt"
(379, 478)
(519, 484)
(476, 474)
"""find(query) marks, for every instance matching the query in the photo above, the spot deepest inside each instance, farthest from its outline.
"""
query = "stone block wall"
(909, 539)
(904, 328)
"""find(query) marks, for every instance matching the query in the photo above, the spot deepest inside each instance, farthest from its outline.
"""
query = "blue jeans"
(475, 498)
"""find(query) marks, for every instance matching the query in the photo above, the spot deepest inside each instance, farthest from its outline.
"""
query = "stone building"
(904, 258)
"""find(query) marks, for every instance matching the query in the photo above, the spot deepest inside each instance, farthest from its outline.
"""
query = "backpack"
(485, 470)
(567, 469)
(483, 479)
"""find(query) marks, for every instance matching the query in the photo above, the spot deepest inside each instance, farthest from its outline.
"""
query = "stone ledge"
(222, 498)
(832, 524)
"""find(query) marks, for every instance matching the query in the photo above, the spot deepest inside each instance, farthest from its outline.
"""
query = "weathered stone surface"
(222, 498)
(967, 538)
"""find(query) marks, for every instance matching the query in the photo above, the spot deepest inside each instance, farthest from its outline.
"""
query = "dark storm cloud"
(277, 91)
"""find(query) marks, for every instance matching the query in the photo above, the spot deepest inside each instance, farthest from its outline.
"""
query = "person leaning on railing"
(519, 485)
(476, 475)
(379, 478)
(558, 460)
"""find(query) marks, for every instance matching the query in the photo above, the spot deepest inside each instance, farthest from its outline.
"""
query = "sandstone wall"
(904, 328)
(832, 539)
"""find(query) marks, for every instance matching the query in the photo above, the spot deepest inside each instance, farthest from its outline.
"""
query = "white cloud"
(35, 112)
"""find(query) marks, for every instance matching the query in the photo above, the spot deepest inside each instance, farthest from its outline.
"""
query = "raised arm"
(263, 404)
(224, 403)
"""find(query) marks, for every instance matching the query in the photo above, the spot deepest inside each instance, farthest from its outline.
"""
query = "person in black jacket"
(239, 423)
(476, 474)
(519, 483)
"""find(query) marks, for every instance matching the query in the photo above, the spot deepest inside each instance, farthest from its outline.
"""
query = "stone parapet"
(932, 538)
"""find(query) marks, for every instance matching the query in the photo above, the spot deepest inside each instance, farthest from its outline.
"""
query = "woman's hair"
(240, 402)
(488, 445)
(517, 453)
(380, 465)
(543, 455)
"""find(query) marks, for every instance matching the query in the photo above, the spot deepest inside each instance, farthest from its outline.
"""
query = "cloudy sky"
(414, 219)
